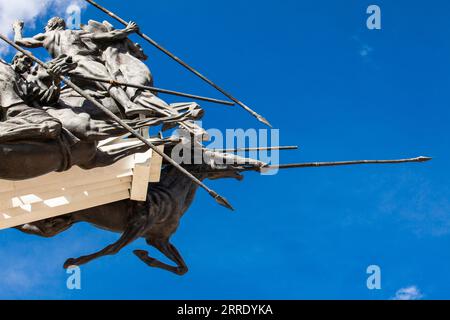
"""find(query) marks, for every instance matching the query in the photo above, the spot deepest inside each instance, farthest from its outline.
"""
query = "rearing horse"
(155, 220)
(158, 218)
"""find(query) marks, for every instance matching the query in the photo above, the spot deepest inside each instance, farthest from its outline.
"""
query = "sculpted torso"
(70, 43)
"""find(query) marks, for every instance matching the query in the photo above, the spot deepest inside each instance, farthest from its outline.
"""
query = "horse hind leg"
(132, 232)
(169, 250)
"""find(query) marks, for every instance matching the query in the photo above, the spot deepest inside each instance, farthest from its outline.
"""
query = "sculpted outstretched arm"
(34, 42)
(115, 35)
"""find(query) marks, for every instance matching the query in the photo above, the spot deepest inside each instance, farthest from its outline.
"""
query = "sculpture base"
(60, 193)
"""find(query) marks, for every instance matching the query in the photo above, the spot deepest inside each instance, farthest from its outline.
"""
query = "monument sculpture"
(90, 108)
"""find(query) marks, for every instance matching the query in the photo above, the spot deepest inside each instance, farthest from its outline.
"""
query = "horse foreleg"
(169, 251)
(131, 234)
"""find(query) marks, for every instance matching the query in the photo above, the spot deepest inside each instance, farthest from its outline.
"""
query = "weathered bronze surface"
(108, 91)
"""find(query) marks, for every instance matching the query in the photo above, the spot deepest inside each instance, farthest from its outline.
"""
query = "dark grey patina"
(48, 127)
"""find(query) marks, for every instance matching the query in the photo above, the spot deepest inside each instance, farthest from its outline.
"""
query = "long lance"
(244, 167)
(160, 111)
(154, 89)
(344, 163)
(184, 64)
(221, 200)
(280, 148)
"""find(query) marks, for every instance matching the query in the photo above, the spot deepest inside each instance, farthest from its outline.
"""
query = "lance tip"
(424, 159)
(224, 202)
(264, 120)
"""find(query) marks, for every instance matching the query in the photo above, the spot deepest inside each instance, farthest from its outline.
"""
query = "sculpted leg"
(150, 101)
(169, 251)
(82, 126)
(88, 67)
(127, 237)
(131, 109)
(132, 232)
(23, 123)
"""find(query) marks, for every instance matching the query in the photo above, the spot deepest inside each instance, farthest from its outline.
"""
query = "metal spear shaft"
(344, 163)
(219, 199)
(184, 64)
(320, 164)
(281, 148)
(161, 111)
(154, 89)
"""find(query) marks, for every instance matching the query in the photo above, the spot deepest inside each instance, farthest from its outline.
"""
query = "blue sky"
(334, 88)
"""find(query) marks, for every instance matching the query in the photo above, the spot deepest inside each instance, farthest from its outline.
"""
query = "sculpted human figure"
(83, 48)
(20, 121)
(78, 123)
(125, 63)
(33, 142)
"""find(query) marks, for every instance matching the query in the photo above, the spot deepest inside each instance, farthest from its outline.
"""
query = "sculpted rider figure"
(83, 47)
(80, 124)
(21, 120)
(125, 62)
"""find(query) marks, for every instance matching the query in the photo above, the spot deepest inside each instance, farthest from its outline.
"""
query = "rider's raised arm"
(114, 35)
(34, 42)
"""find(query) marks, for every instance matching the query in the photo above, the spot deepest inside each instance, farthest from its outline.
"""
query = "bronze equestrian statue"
(47, 128)
(157, 219)
(36, 138)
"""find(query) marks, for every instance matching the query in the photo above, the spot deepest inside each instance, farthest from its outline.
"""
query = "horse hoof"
(181, 271)
(70, 263)
(140, 253)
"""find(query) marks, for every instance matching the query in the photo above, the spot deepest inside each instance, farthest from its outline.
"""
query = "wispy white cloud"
(365, 50)
(408, 293)
(20, 276)
(31, 267)
(418, 205)
(422, 206)
(29, 11)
